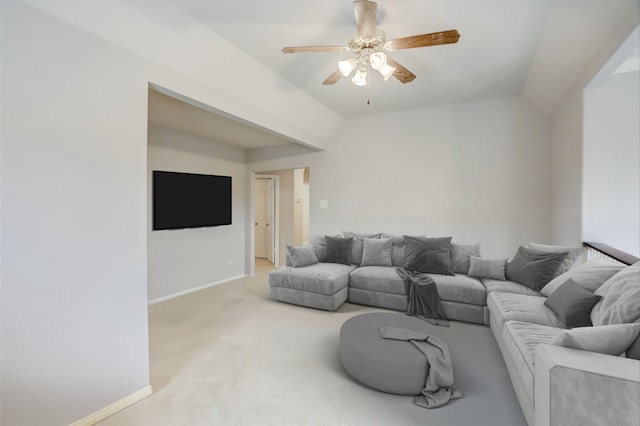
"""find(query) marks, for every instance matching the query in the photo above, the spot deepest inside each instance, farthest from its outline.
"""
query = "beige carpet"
(229, 355)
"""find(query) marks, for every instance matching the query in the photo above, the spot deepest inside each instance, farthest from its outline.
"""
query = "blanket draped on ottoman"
(423, 299)
(438, 388)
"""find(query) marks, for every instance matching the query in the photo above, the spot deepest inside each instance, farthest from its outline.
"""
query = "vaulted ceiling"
(534, 48)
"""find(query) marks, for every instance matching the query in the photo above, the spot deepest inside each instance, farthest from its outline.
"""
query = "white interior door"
(264, 219)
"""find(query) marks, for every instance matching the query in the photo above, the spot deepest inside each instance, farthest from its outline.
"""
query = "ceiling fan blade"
(365, 18)
(307, 49)
(423, 40)
(333, 78)
(401, 73)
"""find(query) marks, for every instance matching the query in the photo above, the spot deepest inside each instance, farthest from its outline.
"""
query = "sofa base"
(326, 302)
(453, 310)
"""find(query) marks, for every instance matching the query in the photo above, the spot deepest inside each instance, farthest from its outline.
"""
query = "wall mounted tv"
(188, 200)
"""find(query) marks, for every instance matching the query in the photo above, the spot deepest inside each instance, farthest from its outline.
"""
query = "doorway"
(265, 223)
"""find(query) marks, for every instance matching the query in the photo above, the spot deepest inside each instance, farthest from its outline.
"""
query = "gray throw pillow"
(487, 268)
(338, 250)
(376, 252)
(620, 303)
(575, 255)
(572, 303)
(533, 268)
(429, 255)
(460, 256)
(302, 256)
(397, 248)
(590, 275)
(319, 245)
(357, 245)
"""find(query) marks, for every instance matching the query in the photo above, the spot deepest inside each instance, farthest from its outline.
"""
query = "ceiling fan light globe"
(347, 66)
(360, 77)
(377, 60)
(386, 71)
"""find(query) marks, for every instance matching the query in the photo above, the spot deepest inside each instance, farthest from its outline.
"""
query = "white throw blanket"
(438, 388)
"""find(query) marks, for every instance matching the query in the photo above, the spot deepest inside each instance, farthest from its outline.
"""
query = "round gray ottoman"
(391, 366)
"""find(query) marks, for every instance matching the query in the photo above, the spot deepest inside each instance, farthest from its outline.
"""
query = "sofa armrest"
(574, 387)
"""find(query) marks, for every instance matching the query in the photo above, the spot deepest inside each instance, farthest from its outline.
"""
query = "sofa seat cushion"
(520, 340)
(507, 287)
(521, 307)
(321, 278)
(454, 288)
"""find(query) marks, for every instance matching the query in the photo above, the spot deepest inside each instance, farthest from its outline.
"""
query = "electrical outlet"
(229, 264)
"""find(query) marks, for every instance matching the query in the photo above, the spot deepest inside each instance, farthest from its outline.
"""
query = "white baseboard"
(193, 290)
(100, 415)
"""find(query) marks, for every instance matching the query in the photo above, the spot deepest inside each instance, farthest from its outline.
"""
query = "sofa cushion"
(301, 256)
(397, 248)
(621, 298)
(461, 256)
(322, 278)
(453, 288)
(575, 255)
(376, 252)
(429, 255)
(521, 307)
(487, 268)
(590, 275)
(520, 340)
(319, 244)
(612, 339)
(507, 286)
(357, 245)
(534, 268)
(338, 250)
(572, 303)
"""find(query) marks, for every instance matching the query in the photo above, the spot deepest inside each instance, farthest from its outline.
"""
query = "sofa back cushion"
(357, 245)
(590, 275)
(319, 244)
(461, 256)
(620, 303)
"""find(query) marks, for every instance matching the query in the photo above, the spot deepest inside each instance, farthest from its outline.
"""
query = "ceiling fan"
(369, 44)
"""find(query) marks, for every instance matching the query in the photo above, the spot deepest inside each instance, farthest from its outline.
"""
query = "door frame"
(275, 228)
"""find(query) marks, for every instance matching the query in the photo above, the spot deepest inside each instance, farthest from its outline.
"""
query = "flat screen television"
(189, 200)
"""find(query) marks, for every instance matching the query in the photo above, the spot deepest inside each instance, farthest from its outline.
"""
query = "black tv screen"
(188, 200)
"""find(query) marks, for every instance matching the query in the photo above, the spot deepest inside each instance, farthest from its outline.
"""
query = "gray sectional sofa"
(584, 375)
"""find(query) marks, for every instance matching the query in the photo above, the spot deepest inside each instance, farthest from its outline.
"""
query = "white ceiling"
(534, 48)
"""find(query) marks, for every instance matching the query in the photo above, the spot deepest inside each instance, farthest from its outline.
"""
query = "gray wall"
(185, 259)
(477, 171)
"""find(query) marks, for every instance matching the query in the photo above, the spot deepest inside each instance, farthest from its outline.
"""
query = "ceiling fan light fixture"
(360, 77)
(377, 60)
(386, 71)
(347, 66)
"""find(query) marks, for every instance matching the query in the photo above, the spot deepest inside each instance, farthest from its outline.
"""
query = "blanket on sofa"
(423, 299)
(438, 388)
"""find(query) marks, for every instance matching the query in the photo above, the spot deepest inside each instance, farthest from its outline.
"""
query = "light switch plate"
(324, 204)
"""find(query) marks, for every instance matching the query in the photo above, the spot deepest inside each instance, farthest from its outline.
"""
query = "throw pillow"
(533, 268)
(429, 255)
(605, 339)
(319, 245)
(302, 256)
(397, 248)
(338, 250)
(357, 245)
(572, 304)
(620, 303)
(590, 275)
(486, 268)
(376, 252)
(575, 255)
(460, 256)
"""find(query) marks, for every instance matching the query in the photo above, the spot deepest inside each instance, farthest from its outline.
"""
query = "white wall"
(74, 278)
(611, 172)
(476, 171)
(185, 259)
